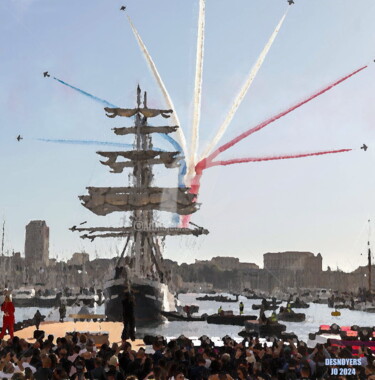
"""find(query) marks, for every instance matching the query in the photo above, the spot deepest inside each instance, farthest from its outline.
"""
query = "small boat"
(291, 317)
(350, 336)
(229, 319)
(267, 307)
(253, 297)
(299, 305)
(253, 327)
(175, 316)
(23, 297)
(217, 298)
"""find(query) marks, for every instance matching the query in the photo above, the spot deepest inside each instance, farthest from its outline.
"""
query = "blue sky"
(317, 204)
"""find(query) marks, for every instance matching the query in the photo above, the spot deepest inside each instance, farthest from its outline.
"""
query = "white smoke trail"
(238, 100)
(197, 87)
(161, 84)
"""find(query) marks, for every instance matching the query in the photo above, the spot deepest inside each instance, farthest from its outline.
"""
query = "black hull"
(36, 302)
(238, 320)
(216, 299)
(292, 317)
(270, 307)
(174, 316)
(148, 303)
(274, 329)
(299, 305)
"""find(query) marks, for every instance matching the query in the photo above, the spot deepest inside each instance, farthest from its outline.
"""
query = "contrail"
(181, 172)
(271, 158)
(182, 168)
(161, 84)
(205, 162)
(196, 180)
(89, 142)
(86, 94)
(170, 139)
(238, 100)
(197, 87)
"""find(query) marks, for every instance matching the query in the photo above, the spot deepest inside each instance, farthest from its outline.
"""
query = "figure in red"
(8, 319)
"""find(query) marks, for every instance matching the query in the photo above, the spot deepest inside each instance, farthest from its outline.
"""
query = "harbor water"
(316, 315)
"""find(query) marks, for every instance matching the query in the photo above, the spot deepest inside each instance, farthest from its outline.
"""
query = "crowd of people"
(76, 357)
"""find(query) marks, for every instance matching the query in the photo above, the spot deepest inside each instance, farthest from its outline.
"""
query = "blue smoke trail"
(87, 94)
(90, 142)
(172, 141)
(181, 170)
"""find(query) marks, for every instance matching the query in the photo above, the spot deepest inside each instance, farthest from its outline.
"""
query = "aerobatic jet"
(290, 2)
(122, 8)
(364, 147)
(45, 74)
(19, 138)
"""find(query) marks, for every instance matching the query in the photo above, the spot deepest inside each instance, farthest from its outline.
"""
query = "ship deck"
(60, 329)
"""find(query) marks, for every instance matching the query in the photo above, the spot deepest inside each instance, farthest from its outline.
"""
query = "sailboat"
(140, 266)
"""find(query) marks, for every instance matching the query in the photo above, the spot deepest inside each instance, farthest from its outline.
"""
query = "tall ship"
(140, 267)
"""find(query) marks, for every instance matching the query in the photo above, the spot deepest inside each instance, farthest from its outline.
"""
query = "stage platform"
(60, 329)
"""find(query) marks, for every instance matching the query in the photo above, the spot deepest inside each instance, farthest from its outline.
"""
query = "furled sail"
(129, 112)
(105, 200)
(144, 130)
(151, 157)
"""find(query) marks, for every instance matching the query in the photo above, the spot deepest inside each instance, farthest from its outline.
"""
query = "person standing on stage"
(8, 319)
(128, 314)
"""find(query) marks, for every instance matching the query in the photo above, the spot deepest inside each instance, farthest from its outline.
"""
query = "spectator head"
(15, 340)
(179, 374)
(157, 346)
(29, 373)
(113, 361)
(114, 347)
(225, 358)
(83, 339)
(97, 362)
(201, 361)
(80, 366)
(18, 376)
(53, 359)
(111, 374)
(63, 353)
(59, 374)
(90, 345)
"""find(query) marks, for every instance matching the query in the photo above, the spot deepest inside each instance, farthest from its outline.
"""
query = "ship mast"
(140, 198)
(2, 240)
(369, 258)
(369, 267)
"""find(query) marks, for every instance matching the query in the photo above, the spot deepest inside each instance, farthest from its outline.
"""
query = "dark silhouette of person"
(37, 319)
(128, 315)
(62, 312)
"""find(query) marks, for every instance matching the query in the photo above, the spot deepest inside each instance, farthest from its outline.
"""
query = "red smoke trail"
(195, 185)
(271, 158)
(208, 162)
(204, 163)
